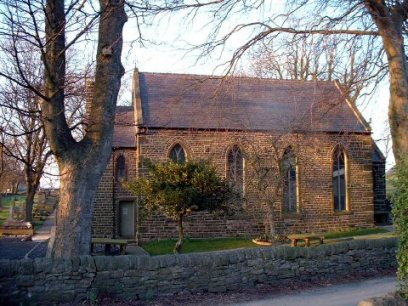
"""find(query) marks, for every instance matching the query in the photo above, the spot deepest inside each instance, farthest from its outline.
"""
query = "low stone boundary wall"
(46, 281)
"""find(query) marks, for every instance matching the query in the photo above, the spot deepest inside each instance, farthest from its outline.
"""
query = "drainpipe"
(113, 196)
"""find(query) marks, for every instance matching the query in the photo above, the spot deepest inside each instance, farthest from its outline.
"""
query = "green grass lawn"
(160, 247)
(5, 205)
(5, 208)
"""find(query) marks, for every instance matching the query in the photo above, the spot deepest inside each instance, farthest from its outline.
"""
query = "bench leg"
(321, 241)
(92, 247)
(107, 248)
(307, 241)
(294, 242)
(123, 250)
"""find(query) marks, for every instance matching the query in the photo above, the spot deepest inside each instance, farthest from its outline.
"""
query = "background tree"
(271, 169)
(175, 189)
(25, 139)
(305, 57)
(10, 172)
(20, 117)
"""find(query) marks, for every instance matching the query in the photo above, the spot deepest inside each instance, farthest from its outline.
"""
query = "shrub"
(400, 215)
(175, 189)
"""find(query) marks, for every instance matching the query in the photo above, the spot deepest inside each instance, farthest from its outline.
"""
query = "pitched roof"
(242, 103)
(124, 130)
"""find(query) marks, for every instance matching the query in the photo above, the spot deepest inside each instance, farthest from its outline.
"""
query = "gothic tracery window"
(177, 154)
(120, 168)
(235, 169)
(290, 190)
(339, 180)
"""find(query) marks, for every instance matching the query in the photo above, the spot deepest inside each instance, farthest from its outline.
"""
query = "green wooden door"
(127, 219)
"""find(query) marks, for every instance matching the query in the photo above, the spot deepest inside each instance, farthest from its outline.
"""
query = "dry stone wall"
(46, 281)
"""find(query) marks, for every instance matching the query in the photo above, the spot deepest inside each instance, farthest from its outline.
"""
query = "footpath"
(336, 295)
(15, 248)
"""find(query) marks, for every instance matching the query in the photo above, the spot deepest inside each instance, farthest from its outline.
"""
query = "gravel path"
(15, 248)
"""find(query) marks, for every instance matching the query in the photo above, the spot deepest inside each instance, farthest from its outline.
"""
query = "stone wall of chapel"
(110, 193)
(315, 174)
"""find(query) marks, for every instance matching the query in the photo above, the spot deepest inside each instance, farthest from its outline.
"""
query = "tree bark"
(81, 164)
(79, 183)
(29, 202)
(389, 21)
(138, 224)
(271, 219)
(32, 179)
(179, 244)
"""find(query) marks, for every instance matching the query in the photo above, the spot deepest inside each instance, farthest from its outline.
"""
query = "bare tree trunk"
(79, 183)
(179, 244)
(138, 224)
(398, 108)
(81, 164)
(271, 219)
(32, 181)
(389, 23)
(14, 188)
(29, 202)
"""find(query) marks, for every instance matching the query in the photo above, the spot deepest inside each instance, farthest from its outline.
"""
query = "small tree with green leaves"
(175, 189)
(400, 215)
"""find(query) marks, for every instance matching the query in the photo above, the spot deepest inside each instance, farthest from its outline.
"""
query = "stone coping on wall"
(142, 277)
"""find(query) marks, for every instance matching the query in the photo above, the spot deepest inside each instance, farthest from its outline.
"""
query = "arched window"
(290, 192)
(235, 169)
(177, 154)
(339, 180)
(120, 168)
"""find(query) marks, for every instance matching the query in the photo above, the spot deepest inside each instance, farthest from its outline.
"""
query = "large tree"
(391, 19)
(51, 27)
(81, 163)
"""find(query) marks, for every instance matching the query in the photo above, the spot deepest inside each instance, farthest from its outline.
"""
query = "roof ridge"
(237, 77)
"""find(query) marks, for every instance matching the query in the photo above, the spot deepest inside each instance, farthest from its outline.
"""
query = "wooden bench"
(18, 230)
(43, 209)
(306, 238)
(108, 242)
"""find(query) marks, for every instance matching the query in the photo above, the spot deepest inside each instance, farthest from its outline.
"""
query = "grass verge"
(161, 247)
(5, 204)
